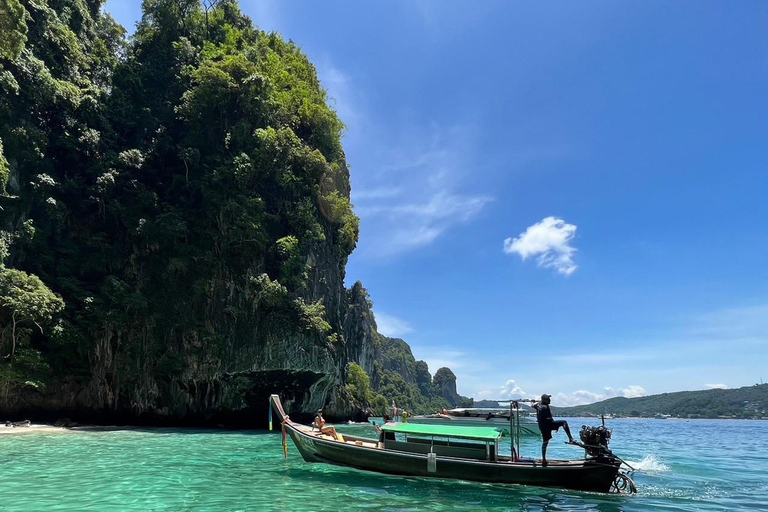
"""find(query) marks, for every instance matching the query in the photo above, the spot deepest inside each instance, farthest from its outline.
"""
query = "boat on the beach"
(456, 452)
(499, 418)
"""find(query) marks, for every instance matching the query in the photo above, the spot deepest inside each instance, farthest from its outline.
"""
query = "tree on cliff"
(26, 305)
(13, 28)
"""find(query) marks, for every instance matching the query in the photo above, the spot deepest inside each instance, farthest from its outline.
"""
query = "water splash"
(650, 464)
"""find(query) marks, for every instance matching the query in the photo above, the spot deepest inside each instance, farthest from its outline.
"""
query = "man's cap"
(545, 396)
(319, 410)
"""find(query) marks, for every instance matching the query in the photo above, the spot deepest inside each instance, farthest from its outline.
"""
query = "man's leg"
(564, 424)
(544, 451)
(568, 431)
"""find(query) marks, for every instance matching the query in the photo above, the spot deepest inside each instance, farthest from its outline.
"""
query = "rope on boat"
(285, 438)
(622, 484)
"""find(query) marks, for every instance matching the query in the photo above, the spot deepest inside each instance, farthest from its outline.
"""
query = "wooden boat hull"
(585, 475)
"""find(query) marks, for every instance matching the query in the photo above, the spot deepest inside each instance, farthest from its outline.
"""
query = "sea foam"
(650, 464)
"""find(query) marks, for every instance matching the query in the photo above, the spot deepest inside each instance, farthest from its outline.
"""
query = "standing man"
(547, 424)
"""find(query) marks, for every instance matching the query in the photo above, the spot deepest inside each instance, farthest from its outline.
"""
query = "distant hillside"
(399, 377)
(746, 402)
(487, 404)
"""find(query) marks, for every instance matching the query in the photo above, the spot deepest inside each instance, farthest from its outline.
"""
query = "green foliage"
(26, 305)
(338, 209)
(401, 378)
(444, 379)
(171, 189)
(396, 356)
(358, 383)
(5, 170)
(359, 388)
(408, 396)
(379, 405)
(293, 271)
(423, 378)
(312, 316)
(25, 299)
(13, 27)
(266, 293)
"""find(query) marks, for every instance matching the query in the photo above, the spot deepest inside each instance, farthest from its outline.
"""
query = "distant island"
(749, 402)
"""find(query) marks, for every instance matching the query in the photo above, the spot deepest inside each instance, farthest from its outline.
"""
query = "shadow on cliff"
(235, 401)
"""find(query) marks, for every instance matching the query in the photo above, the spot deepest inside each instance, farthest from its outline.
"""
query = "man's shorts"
(555, 425)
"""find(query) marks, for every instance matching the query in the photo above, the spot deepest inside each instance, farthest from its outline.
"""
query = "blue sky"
(560, 197)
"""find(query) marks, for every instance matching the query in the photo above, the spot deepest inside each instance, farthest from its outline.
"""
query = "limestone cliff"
(445, 381)
(187, 196)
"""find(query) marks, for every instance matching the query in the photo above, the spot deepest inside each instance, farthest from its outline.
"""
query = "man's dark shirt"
(544, 417)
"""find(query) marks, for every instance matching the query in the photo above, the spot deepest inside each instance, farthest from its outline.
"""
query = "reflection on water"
(687, 466)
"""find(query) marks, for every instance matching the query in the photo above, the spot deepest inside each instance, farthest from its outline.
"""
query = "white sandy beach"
(32, 429)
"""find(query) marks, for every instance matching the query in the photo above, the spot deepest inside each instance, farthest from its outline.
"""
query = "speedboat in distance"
(497, 417)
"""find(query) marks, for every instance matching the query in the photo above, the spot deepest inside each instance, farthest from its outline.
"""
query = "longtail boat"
(447, 451)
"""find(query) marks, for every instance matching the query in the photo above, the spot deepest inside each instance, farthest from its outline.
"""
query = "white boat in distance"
(478, 417)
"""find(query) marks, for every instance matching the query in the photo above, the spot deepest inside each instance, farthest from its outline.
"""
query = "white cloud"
(583, 396)
(511, 390)
(405, 186)
(376, 193)
(410, 199)
(633, 392)
(413, 225)
(549, 241)
(716, 386)
(734, 323)
(599, 358)
(439, 357)
(391, 326)
(343, 97)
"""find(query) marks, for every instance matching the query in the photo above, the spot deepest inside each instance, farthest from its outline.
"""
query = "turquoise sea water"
(682, 465)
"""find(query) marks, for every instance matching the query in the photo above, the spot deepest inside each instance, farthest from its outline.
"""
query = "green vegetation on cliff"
(177, 188)
(176, 209)
(407, 382)
(746, 402)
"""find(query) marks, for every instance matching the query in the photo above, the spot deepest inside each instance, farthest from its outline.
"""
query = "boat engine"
(595, 440)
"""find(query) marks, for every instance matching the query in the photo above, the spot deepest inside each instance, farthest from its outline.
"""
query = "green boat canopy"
(477, 433)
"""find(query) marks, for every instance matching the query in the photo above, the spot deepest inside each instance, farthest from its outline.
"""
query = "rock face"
(395, 355)
(446, 384)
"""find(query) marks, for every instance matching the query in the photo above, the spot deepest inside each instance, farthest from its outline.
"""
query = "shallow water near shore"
(681, 465)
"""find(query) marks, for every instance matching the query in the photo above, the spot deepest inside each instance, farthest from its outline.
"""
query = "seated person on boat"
(319, 423)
